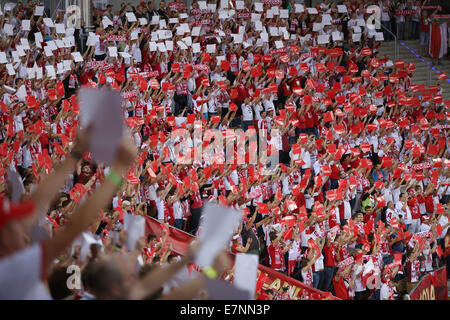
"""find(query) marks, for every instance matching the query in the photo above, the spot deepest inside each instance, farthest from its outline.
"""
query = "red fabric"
(435, 40)
(340, 289)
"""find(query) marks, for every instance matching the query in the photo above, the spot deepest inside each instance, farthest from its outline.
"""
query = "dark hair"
(151, 237)
(86, 276)
(106, 274)
(171, 257)
(57, 283)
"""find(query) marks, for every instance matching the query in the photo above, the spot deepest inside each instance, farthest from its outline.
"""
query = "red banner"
(432, 287)
(180, 242)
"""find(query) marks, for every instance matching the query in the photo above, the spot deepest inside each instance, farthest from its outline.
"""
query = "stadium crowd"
(351, 192)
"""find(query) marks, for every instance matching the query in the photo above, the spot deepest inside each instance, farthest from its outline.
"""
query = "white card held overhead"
(279, 44)
(60, 68)
(38, 73)
(38, 39)
(202, 5)
(77, 56)
(246, 272)
(196, 31)
(224, 4)
(102, 109)
(259, 7)
(299, 8)
(239, 5)
(238, 38)
(67, 65)
(130, 17)
(173, 20)
(106, 22)
(31, 73)
(312, 11)
(25, 44)
(256, 17)
(269, 14)
(212, 7)
(161, 47)
(210, 48)
(275, 10)
(50, 70)
(187, 40)
(60, 28)
(20, 51)
(326, 19)
(15, 181)
(274, 31)
(10, 69)
(258, 26)
(39, 11)
(126, 55)
(169, 45)
(92, 39)
(284, 14)
(143, 21)
(196, 47)
(152, 46)
(8, 29)
(264, 36)
(360, 22)
(26, 25)
(112, 51)
(135, 225)
(162, 24)
(49, 22)
(342, 8)
(217, 226)
(3, 58)
(9, 6)
(317, 26)
(323, 39)
(223, 14)
(48, 51)
(182, 45)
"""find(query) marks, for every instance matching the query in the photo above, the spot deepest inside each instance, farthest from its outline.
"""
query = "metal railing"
(395, 41)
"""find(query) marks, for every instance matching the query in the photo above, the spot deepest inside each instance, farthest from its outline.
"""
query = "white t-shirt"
(20, 275)
(247, 112)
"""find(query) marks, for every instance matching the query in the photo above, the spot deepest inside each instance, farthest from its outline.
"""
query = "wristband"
(210, 272)
(115, 179)
(76, 154)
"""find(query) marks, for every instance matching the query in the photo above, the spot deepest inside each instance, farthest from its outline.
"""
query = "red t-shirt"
(329, 255)
(340, 289)
(276, 257)
(414, 207)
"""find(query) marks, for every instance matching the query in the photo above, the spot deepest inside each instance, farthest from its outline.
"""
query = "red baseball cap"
(11, 211)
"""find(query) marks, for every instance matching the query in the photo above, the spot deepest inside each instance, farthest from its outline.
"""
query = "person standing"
(438, 40)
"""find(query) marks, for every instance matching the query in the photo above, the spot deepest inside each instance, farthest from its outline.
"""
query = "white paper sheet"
(131, 17)
(39, 11)
(102, 109)
(245, 272)
(135, 225)
(26, 25)
(217, 226)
